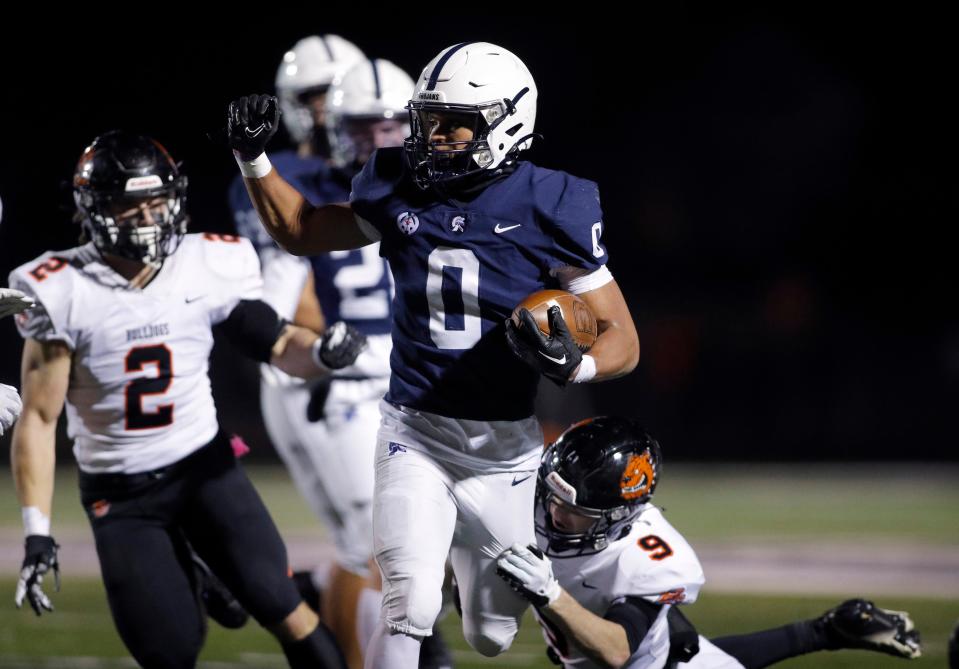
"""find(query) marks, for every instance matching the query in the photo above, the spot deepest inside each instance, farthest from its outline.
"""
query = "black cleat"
(434, 653)
(219, 602)
(858, 623)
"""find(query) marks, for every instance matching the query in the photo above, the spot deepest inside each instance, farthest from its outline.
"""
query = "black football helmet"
(120, 171)
(605, 468)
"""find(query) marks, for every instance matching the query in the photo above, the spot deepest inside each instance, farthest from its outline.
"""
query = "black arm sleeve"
(253, 327)
(636, 616)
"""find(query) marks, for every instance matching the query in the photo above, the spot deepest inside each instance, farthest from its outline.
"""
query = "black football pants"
(142, 522)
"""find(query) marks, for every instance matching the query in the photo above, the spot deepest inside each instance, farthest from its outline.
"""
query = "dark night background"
(779, 194)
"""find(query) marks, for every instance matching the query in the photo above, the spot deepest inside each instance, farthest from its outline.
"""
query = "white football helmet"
(311, 66)
(480, 83)
(366, 110)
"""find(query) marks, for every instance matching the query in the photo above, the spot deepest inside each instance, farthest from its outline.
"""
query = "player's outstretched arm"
(45, 379)
(301, 352)
(258, 332)
(530, 574)
(291, 220)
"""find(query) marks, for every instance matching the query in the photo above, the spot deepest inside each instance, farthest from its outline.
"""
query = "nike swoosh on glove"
(251, 121)
(555, 356)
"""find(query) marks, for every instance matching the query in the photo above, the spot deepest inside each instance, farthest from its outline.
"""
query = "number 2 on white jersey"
(137, 358)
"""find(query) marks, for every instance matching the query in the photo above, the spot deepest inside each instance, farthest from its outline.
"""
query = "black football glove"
(41, 557)
(554, 356)
(340, 345)
(251, 122)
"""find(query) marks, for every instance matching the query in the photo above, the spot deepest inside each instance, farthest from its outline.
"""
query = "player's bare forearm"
(309, 313)
(32, 458)
(45, 377)
(602, 641)
(293, 353)
(616, 350)
(298, 226)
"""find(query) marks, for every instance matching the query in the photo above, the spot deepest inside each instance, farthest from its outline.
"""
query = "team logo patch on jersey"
(638, 477)
(396, 448)
(407, 222)
(100, 508)
(677, 596)
(458, 224)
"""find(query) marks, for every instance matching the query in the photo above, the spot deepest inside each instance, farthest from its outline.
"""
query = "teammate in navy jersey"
(326, 431)
(303, 79)
(469, 231)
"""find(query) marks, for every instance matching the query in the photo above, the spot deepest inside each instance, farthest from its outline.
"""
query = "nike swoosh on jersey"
(498, 230)
(588, 586)
(558, 361)
(517, 482)
(194, 298)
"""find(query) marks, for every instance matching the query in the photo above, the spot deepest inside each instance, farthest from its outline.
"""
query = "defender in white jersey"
(122, 332)
(609, 570)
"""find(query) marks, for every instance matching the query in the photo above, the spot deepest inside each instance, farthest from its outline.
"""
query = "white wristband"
(315, 354)
(586, 370)
(35, 521)
(257, 168)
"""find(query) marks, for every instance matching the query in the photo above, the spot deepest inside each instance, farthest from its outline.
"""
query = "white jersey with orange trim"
(139, 395)
(653, 562)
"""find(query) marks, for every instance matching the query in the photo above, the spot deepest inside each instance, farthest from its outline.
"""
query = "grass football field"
(912, 510)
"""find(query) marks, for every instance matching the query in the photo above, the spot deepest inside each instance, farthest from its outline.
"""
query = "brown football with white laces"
(577, 314)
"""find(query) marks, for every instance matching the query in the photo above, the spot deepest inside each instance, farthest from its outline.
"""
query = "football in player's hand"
(579, 319)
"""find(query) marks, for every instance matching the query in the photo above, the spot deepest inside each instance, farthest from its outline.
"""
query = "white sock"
(367, 616)
(392, 650)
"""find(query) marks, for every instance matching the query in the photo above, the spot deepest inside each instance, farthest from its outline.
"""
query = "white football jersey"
(653, 561)
(139, 395)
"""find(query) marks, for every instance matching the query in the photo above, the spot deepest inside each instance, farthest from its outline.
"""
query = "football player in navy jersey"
(469, 231)
(325, 431)
(303, 79)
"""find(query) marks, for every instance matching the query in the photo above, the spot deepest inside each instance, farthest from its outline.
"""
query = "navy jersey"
(353, 286)
(460, 268)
